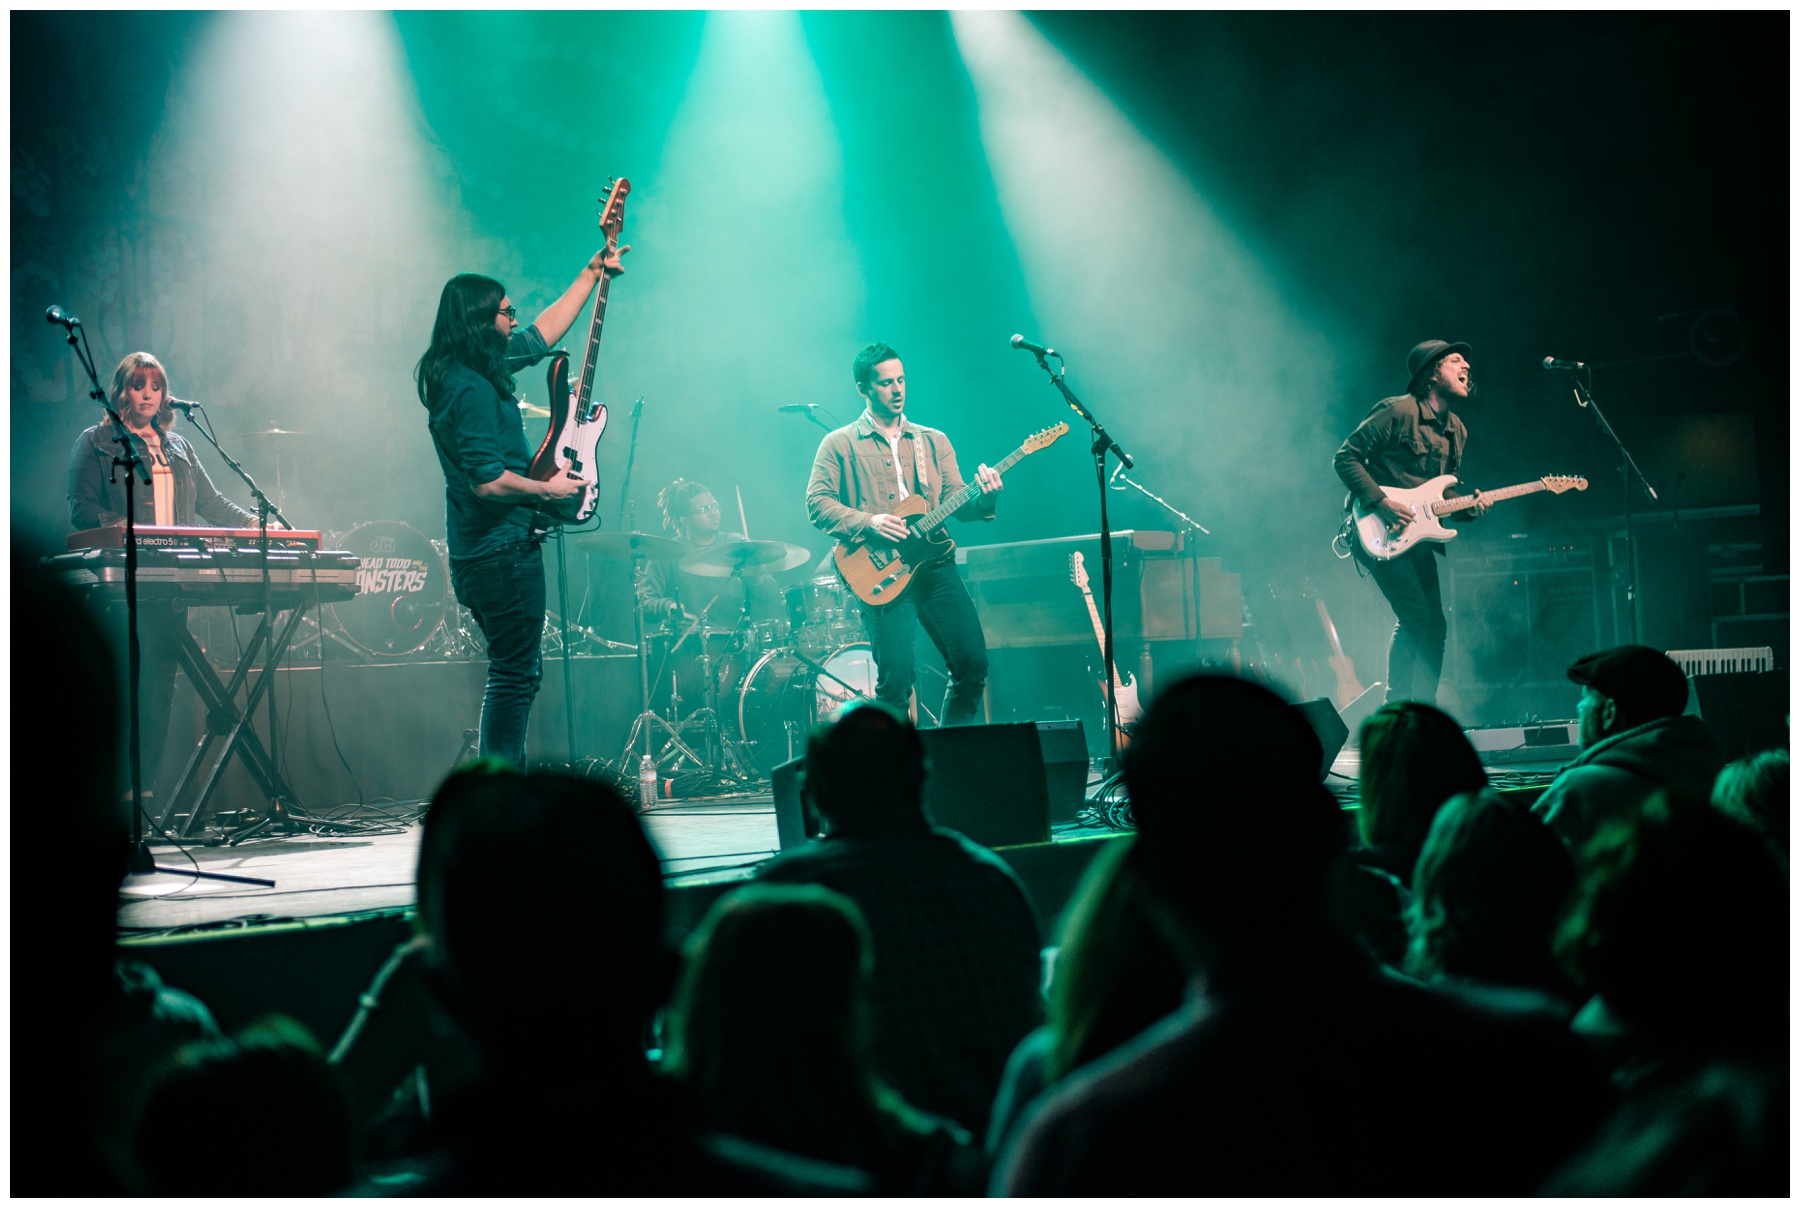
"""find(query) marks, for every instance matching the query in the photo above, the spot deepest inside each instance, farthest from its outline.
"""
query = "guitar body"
(1125, 696)
(1372, 530)
(879, 572)
(570, 444)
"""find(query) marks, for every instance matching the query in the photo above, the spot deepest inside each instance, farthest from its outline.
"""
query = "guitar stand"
(225, 720)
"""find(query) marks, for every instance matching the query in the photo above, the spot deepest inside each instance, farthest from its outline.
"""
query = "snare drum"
(783, 698)
(403, 586)
(824, 616)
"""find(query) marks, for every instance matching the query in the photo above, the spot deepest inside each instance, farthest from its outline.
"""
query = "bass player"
(859, 474)
(1403, 442)
(496, 558)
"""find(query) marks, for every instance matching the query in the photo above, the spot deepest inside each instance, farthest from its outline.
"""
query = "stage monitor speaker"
(1064, 748)
(1745, 710)
(1326, 722)
(992, 783)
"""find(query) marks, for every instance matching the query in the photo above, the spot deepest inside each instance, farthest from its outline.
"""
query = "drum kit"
(754, 685)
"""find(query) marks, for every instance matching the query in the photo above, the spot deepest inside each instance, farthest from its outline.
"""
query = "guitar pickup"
(574, 461)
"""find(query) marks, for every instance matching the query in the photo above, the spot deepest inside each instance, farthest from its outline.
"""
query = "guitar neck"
(1445, 507)
(1100, 633)
(953, 502)
(585, 387)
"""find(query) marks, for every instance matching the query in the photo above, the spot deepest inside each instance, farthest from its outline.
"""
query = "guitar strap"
(921, 477)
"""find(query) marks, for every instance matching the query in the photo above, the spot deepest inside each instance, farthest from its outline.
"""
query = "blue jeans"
(505, 592)
(938, 601)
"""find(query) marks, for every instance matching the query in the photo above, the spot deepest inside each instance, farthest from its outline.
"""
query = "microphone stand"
(811, 411)
(1103, 445)
(265, 507)
(138, 857)
(1628, 468)
(1121, 480)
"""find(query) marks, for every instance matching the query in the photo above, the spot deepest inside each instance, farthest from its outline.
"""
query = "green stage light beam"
(1177, 334)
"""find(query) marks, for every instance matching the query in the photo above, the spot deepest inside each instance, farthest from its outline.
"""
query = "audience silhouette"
(957, 965)
(1755, 792)
(1288, 1070)
(770, 1030)
(1488, 895)
(1413, 759)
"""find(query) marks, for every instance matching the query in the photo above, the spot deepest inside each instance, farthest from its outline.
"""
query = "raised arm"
(556, 320)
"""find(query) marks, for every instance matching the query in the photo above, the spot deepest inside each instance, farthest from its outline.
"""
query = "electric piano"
(208, 566)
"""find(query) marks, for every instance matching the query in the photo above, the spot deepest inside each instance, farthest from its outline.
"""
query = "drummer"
(691, 514)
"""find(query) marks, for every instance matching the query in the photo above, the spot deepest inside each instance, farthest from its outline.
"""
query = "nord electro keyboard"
(212, 576)
(187, 536)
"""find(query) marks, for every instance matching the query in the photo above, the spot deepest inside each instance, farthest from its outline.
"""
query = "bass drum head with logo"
(403, 587)
(783, 698)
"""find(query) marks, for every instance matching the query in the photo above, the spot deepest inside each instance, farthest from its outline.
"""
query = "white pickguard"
(1372, 530)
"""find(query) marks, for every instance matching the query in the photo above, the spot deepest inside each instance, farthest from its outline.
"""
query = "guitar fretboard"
(956, 500)
(1457, 504)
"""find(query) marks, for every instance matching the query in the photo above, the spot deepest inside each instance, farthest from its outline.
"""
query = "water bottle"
(646, 782)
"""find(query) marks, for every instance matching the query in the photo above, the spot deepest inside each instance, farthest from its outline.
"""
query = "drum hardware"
(786, 693)
(641, 548)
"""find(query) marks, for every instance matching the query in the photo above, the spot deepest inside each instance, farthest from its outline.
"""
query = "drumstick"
(741, 518)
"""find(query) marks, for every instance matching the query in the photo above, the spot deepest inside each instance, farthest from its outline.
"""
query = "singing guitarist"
(859, 474)
(1403, 442)
(496, 561)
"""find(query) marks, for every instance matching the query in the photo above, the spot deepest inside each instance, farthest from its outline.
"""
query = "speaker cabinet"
(992, 783)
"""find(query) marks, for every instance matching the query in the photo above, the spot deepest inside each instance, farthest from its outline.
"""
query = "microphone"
(57, 317)
(185, 406)
(1553, 363)
(1035, 349)
(797, 408)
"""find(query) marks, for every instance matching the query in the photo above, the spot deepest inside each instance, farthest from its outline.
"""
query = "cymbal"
(629, 545)
(279, 434)
(734, 557)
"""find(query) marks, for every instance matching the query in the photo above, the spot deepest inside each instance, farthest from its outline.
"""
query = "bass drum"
(403, 587)
(783, 698)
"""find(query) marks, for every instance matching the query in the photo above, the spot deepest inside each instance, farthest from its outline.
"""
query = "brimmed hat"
(1425, 355)
(1644, 682)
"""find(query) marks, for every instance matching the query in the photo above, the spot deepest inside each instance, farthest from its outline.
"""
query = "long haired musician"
(181, 493)
(496, 560)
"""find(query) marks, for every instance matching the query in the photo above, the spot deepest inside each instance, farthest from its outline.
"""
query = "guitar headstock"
(1078, 571)
(1045, 438)
(1560, 483)
(612, 207)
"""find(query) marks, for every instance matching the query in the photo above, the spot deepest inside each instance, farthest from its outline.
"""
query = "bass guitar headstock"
(612, 208)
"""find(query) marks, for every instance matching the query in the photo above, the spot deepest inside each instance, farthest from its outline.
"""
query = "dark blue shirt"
(479, 433)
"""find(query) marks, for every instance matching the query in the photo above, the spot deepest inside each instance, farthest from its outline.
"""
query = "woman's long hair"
(674, 500)
(464, 333)
(128, 376)
(1414, 758)
(770, 1027)
(1115, 975)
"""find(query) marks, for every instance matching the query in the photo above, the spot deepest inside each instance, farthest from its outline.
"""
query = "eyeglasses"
(709, 508)
(511, 312)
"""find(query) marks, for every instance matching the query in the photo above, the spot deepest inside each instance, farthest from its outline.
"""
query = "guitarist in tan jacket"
(859, 474)
(1405, 441)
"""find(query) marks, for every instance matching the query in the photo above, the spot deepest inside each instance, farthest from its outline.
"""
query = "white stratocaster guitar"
(1124, 691)
(1428, 503)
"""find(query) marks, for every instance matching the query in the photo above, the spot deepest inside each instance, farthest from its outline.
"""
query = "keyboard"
(216, 576)
(1724, 660)
(187, 536)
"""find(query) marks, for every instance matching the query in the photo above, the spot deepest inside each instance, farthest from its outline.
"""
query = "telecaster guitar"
(576, 421)
(879, 571)
(1125, 693)
(1428, 503)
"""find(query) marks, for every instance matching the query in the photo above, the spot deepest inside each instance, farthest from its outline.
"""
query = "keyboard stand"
(225, 720)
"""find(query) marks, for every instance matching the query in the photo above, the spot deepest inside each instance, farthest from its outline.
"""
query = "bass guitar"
(1125, 691)
(879, 570)
(577, 422)
(1428, 503)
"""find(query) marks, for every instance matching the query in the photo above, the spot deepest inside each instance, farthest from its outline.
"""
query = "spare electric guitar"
(577, 421)
(1349, 688)
(1125, 691)
(1381, 542)
(878, 570)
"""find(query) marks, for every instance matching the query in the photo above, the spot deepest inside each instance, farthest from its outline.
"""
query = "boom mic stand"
(1628, 467)
(1103, 445)
(138, 857)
